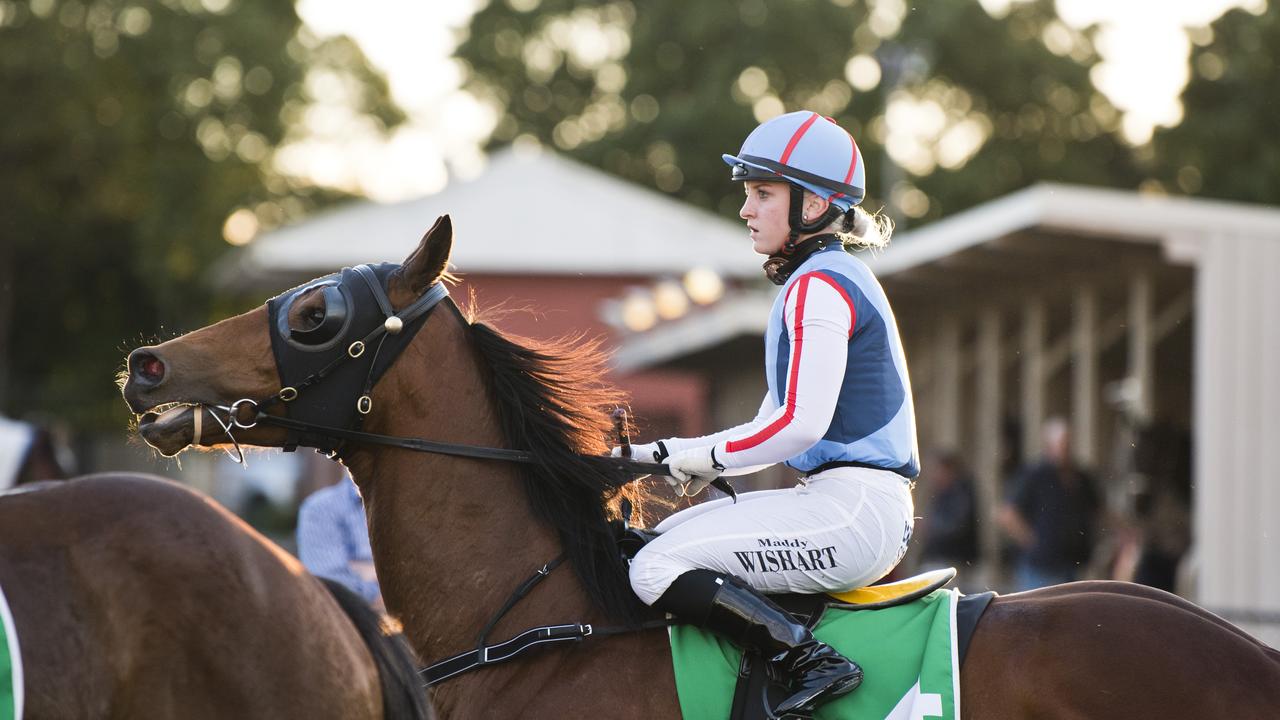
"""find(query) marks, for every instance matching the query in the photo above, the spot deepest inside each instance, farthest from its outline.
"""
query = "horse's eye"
(315, 316)
(312, 317)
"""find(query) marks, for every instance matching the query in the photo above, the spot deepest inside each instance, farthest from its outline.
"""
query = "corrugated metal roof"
(1120, 214)
(528, 212)
(1174, 225)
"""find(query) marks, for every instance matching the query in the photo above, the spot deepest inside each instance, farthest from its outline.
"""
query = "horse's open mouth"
(168, 427)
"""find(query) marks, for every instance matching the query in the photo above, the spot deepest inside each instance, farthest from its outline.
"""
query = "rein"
(478, 452)
(394, 325)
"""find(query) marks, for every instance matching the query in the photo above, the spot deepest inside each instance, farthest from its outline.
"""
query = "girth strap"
(484, 654)
(491, 654)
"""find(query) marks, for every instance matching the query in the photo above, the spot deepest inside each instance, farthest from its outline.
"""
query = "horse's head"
(311, 352)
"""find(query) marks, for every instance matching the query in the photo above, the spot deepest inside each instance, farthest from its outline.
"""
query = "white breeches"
(841, 529)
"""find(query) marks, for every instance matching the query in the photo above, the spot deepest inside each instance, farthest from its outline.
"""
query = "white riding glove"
(694, 469)
(644, 452)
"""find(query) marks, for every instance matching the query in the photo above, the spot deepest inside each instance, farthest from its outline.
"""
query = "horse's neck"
(452, 537)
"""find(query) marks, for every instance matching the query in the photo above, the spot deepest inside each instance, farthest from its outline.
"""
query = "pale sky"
(1142, 42)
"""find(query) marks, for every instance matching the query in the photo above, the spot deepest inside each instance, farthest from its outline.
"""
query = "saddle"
(757, 690)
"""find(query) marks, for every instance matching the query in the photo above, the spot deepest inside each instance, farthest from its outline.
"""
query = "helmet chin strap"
(795, 217)
(780, 265)
(778, 268)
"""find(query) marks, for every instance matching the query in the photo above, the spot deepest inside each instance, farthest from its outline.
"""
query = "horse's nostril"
(147, 368)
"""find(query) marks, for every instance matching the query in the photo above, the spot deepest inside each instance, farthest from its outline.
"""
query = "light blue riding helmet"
(808, 150)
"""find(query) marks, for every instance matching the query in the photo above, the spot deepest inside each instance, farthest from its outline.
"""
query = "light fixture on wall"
(703, 285)
(638, 310)
(669, 299)
(641, 308)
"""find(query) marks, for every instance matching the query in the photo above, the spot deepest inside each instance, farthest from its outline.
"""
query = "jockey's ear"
(814, 206)
(428, 262)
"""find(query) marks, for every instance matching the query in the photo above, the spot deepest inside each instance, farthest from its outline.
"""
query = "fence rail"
(1248, 615)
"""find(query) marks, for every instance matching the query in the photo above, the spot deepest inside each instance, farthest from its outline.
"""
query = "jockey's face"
(765, 211)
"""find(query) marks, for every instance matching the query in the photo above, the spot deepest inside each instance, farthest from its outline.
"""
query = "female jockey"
(838, 409)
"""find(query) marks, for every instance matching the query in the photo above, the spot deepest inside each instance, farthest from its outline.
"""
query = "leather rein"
(394, 324)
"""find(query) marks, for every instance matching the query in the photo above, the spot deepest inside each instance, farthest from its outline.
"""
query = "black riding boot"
(726, 605)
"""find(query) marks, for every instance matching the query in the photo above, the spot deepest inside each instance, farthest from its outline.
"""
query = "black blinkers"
(326, 330)
(346, 340)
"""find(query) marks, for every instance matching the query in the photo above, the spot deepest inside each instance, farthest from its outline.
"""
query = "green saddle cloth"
(908, 653)
(10, 666)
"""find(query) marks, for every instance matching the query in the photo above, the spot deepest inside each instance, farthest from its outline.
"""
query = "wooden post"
(1141, 367)
(946, 373)
(1033, 334)
(1084, 376)
(987, 440)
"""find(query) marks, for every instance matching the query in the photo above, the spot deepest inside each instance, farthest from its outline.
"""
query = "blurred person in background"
(1051, 514)
(27, 453)
(1160, 471)
(333, 539)
(838, 409)
(947, 528)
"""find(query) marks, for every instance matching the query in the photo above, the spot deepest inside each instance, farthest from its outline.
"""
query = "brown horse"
(452, 535)
(135, 597)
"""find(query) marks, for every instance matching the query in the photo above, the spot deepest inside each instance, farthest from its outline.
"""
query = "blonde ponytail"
(860, 230)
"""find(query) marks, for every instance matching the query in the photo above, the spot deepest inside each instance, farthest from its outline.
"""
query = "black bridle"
(336, 350)
(358, 315)
(330, 364)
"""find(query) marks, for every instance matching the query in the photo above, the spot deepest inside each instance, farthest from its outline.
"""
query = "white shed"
(529, 212)
(1111, 308)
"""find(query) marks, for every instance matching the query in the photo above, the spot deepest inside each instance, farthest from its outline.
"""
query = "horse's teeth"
(172, 412)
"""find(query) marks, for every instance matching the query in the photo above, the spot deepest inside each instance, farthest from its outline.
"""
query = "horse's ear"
(428, 262)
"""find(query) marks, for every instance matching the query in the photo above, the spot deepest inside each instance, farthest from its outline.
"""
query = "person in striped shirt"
(838, 410)
(333, 539)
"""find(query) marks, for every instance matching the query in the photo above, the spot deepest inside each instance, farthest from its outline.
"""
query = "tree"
(133, 130)
(950, 105)
(1226, 145)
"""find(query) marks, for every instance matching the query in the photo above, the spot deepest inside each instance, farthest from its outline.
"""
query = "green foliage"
(131, 131)
(655, 91)
(1226, 145)
(1046, 120)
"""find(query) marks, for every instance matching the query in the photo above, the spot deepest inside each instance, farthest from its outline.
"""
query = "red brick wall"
(663, 403)
(546, 306)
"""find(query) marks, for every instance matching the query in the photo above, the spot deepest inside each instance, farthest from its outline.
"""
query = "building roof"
(1047, 230)
(1077, 210)
(528, 212)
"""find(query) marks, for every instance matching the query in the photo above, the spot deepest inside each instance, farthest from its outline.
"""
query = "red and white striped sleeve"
(767, 407)
(820, 318)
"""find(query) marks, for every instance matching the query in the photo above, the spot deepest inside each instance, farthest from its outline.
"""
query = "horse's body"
(136, 597)
(452, 537)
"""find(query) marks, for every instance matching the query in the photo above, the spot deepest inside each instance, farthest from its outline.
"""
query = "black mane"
(551, 400)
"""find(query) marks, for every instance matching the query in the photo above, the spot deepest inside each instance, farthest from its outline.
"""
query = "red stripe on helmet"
(795, 139)
(853, 163)
(853, 160)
